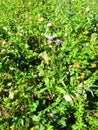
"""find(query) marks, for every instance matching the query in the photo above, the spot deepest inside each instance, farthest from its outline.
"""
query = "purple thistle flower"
(51, 38)
(58, 41)
(97, 25)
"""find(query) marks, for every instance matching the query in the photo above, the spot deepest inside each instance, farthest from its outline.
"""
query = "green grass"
(44, 85)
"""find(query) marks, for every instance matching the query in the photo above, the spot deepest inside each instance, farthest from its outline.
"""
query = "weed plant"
(49, 65)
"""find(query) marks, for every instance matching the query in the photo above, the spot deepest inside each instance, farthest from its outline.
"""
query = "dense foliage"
(49, 65)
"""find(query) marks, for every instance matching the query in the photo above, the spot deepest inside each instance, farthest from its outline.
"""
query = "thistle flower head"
(97, 25)
(51, 38)
(58, 41)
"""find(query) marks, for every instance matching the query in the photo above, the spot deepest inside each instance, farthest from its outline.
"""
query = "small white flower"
(11, 95)
(35, 118)
(49, 24)
(42, 34)
(9, 84)
(87, 9)
(67, 98)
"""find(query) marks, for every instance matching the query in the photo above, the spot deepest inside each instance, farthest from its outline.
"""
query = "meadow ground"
(49, 65)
